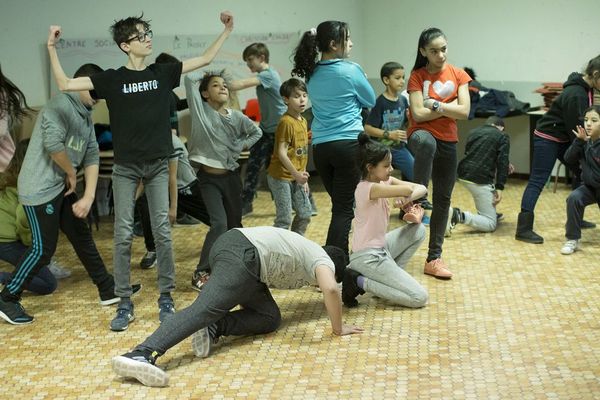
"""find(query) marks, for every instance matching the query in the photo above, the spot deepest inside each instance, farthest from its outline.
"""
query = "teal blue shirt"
(338, 90)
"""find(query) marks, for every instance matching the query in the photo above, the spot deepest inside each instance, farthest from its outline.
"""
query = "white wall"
(24, 26)
(509, 40)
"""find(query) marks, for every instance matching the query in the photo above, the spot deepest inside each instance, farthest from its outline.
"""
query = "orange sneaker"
(413, 213)
(438, 269)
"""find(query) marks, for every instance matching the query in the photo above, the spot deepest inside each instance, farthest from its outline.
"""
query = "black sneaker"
(457, 217)
(14, 313)
(108, 297)
(499, 217)
(350, 288)
(166, 307)
(587, 225)
(426, 204)
(140, 365)
(186, 219)
(149, 260)
(124, 316)
(203, 342)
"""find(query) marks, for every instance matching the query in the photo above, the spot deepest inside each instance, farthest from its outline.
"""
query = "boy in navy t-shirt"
(138, 99)
(388, 117)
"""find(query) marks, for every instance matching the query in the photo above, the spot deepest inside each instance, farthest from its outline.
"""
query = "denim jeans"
(235, 280)
(336, 164)
(404, 161)
(154, 174)
(288, 195)
(483, 195)
(436, 159)
(545, 154)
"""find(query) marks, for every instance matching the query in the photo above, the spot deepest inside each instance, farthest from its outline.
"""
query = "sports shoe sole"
(201, 343)
(135, 289)
(10, 321)
(145, 373)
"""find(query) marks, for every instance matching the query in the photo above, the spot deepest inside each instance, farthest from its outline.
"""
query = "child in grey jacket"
(219, 135)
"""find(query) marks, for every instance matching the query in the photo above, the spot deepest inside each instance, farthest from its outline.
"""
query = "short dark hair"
(388, 69)
(594, 108)
(205, 81)
(287, 88)
(122, 29)
(340, 260)
(495, 120)
(256, 49)
(87, 70)
(166, 58)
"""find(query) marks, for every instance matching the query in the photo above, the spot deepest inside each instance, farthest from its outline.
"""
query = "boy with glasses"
(138, 98)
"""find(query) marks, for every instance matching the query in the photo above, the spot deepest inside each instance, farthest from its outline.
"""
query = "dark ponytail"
(10, 176)
(426, 37)
(370, 152)
(315, 41)
(12, 100)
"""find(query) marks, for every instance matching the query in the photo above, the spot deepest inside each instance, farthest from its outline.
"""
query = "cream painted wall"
(24, 26)
(509, 40)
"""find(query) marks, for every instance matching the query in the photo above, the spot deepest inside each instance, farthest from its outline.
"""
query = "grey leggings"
(235, 280)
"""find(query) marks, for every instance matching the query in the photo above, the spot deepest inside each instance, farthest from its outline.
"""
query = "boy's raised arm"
(63, 82)
(210, 53)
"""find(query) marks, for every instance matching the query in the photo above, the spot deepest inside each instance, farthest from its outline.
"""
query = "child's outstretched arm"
(63, 82)
(210, 53)
(240, 84)
(333, 301)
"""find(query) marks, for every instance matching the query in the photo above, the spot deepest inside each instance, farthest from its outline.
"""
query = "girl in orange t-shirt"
(439, 95)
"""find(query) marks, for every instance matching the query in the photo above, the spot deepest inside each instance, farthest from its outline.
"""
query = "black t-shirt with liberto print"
(138, 108)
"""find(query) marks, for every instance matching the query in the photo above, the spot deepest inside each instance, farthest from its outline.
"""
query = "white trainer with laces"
(570, 247)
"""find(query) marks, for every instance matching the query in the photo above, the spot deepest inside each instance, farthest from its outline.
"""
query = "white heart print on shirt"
(443, 90)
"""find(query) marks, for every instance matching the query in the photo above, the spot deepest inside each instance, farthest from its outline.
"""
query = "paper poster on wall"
(104, 52)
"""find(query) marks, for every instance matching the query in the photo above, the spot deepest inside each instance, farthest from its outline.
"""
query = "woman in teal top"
(338, 90)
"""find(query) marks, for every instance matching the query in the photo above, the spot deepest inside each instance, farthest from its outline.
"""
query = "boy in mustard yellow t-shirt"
(287, 176)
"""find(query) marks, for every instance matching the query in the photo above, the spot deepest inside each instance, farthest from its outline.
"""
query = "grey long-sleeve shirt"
(216, 140)
(64, 123)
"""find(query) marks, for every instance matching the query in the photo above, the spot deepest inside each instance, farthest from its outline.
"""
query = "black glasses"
(141, 36)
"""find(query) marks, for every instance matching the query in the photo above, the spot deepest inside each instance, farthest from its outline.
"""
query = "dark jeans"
(223, 199)
(45, 221)
(436, 159)
(545, 154)
(576, 202)
(189, 201)
(235, 280)
(259, 159)
(42, 283)
(336, 164)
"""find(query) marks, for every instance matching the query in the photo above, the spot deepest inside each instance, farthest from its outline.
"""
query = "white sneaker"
(449, 225)
(58, 270)
(203, 343)
(570, 247)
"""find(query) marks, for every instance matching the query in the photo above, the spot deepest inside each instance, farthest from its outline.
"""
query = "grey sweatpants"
(235, 280)
(383, 268)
